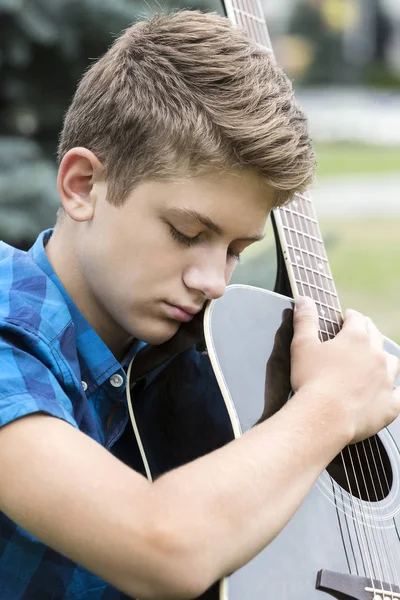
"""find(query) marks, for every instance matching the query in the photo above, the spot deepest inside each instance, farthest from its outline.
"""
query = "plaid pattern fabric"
(51, 360)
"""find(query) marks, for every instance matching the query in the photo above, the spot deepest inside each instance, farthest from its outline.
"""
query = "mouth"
(184, 314)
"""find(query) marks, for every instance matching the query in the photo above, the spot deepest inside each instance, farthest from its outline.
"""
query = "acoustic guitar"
(344, 539)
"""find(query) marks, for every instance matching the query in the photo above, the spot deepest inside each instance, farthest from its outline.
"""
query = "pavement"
(363, 115)
(354, 114)
(351, 195)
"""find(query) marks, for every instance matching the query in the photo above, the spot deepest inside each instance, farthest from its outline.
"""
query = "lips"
(188, 309)
(184, 314)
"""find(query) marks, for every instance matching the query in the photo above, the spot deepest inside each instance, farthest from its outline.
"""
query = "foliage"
(45, 46)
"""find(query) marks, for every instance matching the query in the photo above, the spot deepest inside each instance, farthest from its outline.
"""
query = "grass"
(364, 255)
(353, 159)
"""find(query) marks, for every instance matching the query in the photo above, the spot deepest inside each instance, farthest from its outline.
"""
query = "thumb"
(306, 321)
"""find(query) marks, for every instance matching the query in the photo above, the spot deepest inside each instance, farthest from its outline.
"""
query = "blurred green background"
(344, 59)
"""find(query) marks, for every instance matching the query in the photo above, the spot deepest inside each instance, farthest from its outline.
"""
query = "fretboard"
(297, 226)
(306, 261)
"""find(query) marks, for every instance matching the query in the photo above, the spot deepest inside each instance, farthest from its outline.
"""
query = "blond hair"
(184, 93)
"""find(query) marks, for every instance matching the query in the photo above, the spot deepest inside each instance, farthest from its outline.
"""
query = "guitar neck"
(306, 261)
(297, 225)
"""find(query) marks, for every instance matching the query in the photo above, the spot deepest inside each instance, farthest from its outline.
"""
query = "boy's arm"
(173, 538)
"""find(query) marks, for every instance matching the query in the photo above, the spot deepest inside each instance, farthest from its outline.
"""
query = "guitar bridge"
(345, 587)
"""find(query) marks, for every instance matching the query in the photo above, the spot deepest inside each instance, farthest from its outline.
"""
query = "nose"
(210, 280)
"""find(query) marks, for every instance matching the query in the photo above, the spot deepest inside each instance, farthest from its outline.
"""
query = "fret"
(330, 296)
(323, 280)
(301, 223)
(309, 281)
(246, 14)
(329, 320)
(253, 27)
(249, 15)
(326, 311)
(303, 253)
(307, 236)
(299, 214)
(307, 260)
(325, 336)
(321, 289)
(303, 197)
(248, 25)
(253, 8)
(332, 327)
(319, 274)
(325, 302)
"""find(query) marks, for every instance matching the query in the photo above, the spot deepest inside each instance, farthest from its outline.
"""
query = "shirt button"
(84, 385)
(116, 380)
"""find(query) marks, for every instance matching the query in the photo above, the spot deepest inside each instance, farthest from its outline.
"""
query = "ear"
(79, 170)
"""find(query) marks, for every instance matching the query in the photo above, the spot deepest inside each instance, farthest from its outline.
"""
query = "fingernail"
(303, 302)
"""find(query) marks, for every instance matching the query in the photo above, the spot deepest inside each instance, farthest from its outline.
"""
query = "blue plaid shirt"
(51, 360)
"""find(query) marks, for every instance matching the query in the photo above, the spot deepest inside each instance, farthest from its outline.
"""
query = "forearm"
(228, 505)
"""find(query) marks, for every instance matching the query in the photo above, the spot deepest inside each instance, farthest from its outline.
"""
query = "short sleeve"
(30, 378)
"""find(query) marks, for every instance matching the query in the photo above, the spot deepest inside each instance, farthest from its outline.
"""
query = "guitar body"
(248, 336)
(248, 333)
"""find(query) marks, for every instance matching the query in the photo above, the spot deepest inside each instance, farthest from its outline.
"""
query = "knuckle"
(360, 336)
(380, 359)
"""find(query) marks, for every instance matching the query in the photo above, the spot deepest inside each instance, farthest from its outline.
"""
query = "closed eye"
(184, 239)
(190, 241)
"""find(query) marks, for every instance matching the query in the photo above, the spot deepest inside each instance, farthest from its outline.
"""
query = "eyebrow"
(207, 222)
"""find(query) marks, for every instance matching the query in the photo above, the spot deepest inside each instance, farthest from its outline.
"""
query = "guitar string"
(348, 531)
(360, 502)
(368, 542)
(359, 535)
(381, 530)
(397, 577)
(251, 16)
(383, 563)
(342, 514)
(392, 576)
(339, 513)
(313, 237)
(306, 205)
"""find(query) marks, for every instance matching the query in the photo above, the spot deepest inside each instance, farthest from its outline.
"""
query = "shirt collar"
(97, 362)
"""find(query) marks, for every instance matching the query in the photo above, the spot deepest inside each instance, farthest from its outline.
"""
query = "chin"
(157, 335)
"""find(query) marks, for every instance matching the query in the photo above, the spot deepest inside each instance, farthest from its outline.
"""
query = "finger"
(375, 335)
(393, 366)
(355, 324)
(306, 321)
(396, 398)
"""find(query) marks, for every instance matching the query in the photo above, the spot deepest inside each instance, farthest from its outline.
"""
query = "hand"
(351, 372)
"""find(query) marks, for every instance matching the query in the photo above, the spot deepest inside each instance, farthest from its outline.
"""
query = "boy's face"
(149, 265)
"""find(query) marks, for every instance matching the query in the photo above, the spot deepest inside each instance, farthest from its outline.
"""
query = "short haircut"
(185, 93)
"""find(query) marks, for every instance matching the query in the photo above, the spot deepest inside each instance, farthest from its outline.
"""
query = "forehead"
(238, 203)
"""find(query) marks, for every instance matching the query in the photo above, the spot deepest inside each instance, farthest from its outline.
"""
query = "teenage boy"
(178, 143)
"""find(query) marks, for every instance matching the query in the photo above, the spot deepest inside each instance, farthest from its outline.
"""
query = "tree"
(45, 46)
